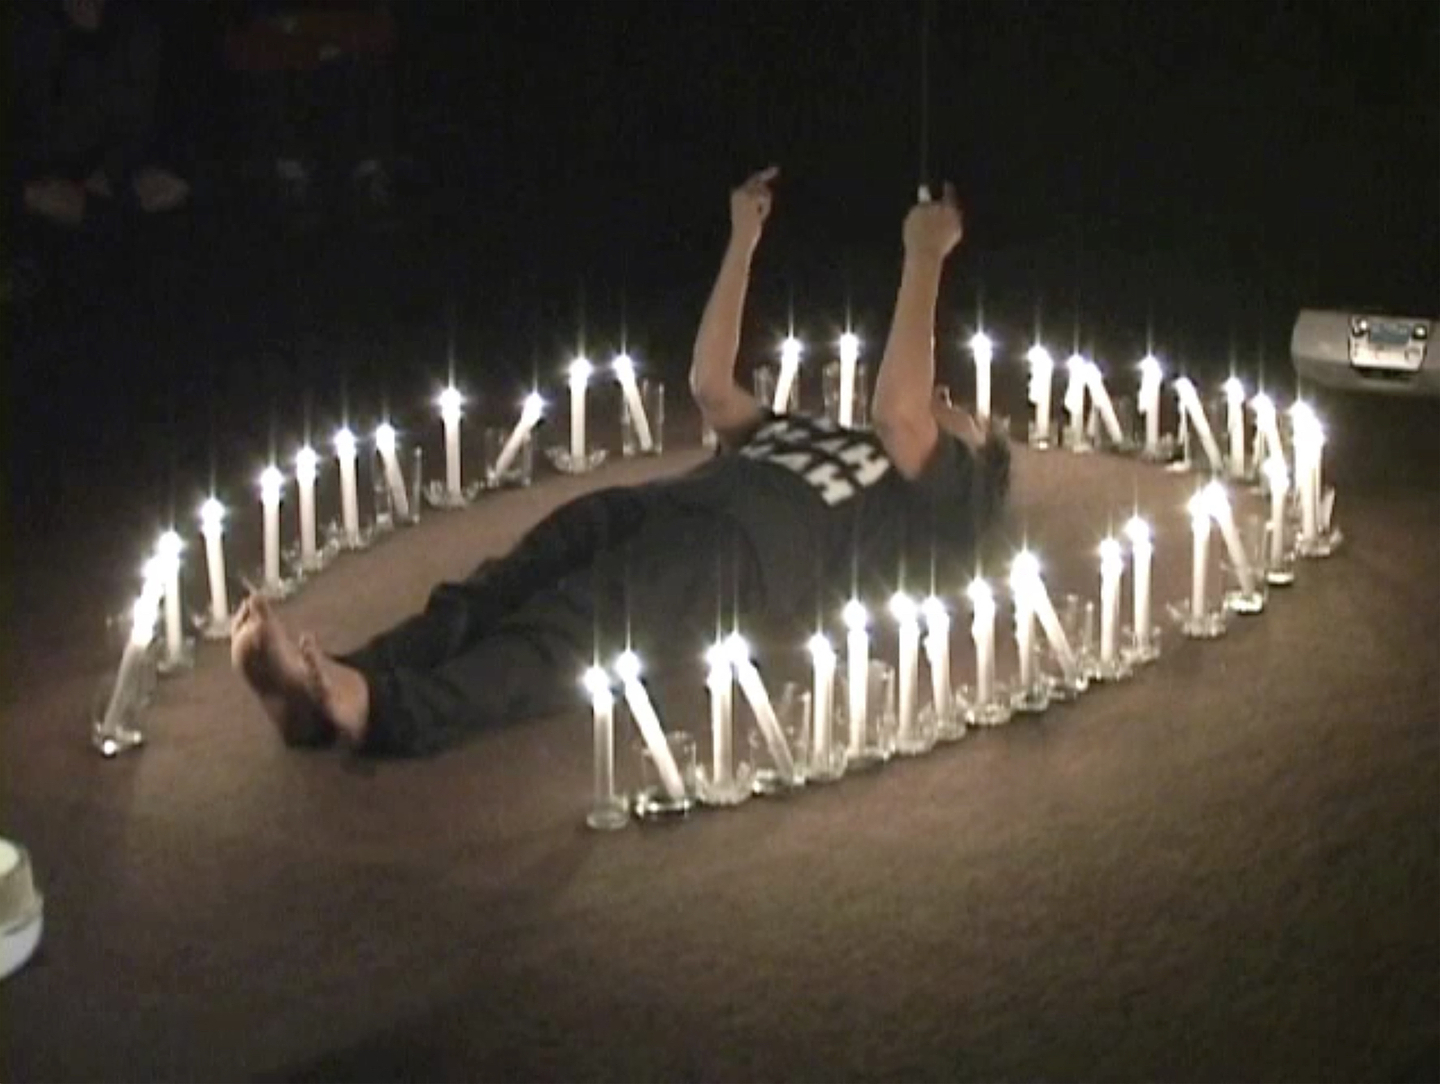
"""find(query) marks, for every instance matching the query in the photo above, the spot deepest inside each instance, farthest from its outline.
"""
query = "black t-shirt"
(825, 509)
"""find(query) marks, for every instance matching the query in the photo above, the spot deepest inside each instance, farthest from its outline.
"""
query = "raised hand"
(750, 205)
(934, 227)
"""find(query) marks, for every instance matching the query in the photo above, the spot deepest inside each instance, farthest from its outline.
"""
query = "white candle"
(1218, 501)
(822, 700)
(580, 370)
(1190, 403)
(849, 358)
(1101, 396)
(906, 614)
(857, 670)
(1026, 570)
(1151, 377)
(624, 368)
(451, 403)
(983, 350)
(307, 467)
(272, 485)
(169, 550)
(212, 527)
(1042, 375)
(385, 437)
(349, 496)
(602, 706)
(937, 654)
(143, 616)
(790, 351)
(759, 700)
(1308, 440)
(627, 666)
(721, 684)
(1112, 568)
(1142, 549)
(1024, 630)
(530, 415)
(1200, 554)
(1267, 429)
(982, 631)
(1078, 368)
(1235, 422)
(1279, 479)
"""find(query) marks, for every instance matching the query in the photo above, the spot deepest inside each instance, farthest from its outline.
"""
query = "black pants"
(616, 567)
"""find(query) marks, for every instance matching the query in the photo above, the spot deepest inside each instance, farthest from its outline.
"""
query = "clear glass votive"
(792, 709)
(652, 801)
(1254, 531)
(825, 763)
(874, 742)
(996, 710)
(520, 471)
(859, 401)
(1043, 439)
(950, 721)
(652, 399)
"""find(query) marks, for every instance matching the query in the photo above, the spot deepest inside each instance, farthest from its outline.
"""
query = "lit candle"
(580, 370)
(624, 369)
(212, 527)
(1200, 554)
(272, 485)
(143, 616)
(759, 700)
(1218, 501)
(857, 671)
(1042, 375)
(849, 358)
(937, 654)
(451, 403)
(606, 811)
(721, 684)
(627, 667)
(1235, 421)
(822, 700)
(1267, 429)
(1190, 404)
(1025, 575)
(385, 444)
(530, 414)
(1096, 383)
(1309, 440)
(307, 466)
(1279, 483)
(1078, 368)
(790, 351)
(1024, 619)
(349, 495)
(1151, 378)
(982, 631)
(983, 350)
(1112, 568)
(1142, 549)
(169, 550)
(906, 614)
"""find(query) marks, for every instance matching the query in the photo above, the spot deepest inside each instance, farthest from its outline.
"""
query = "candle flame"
(628, 666)
(1111, 555)
(1025, 568)
(596, 682)
(385, 438)
(534, 405)
(902, 607)
(1234, 389)
(623, 366)
(450, 401)
(580, 370)
(1150, 368)
(790, 351)
(1138, 531)
(820, 649)
(271, 483)
(170, 546)
(1039, 356)
(345, 442)
(1263, 405)
(854, 615)
(849, 347)
(982, 346)
(212, 514)
(736, 649)
(934, 611)
(979, 593)
(306, 464)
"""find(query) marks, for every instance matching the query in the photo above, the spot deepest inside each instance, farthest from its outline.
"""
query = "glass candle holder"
(652, 801)
(652, 400)
(1254, 533)
(519, 471)
(860, 395)
(873, 743)
(792, 710)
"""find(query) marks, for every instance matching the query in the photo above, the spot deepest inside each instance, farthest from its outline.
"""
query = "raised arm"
(902, 405)
(728, 408)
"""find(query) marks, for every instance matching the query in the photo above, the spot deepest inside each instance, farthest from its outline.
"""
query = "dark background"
(1194, 171)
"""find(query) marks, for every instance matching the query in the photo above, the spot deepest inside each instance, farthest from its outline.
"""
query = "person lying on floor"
(792, 508)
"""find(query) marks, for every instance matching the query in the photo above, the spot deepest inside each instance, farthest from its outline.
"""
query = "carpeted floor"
(1227, 869)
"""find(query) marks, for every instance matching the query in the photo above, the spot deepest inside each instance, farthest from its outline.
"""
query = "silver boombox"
(1365, 351)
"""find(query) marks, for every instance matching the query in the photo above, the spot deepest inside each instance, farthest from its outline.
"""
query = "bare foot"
(343, 695)
(263, 653)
